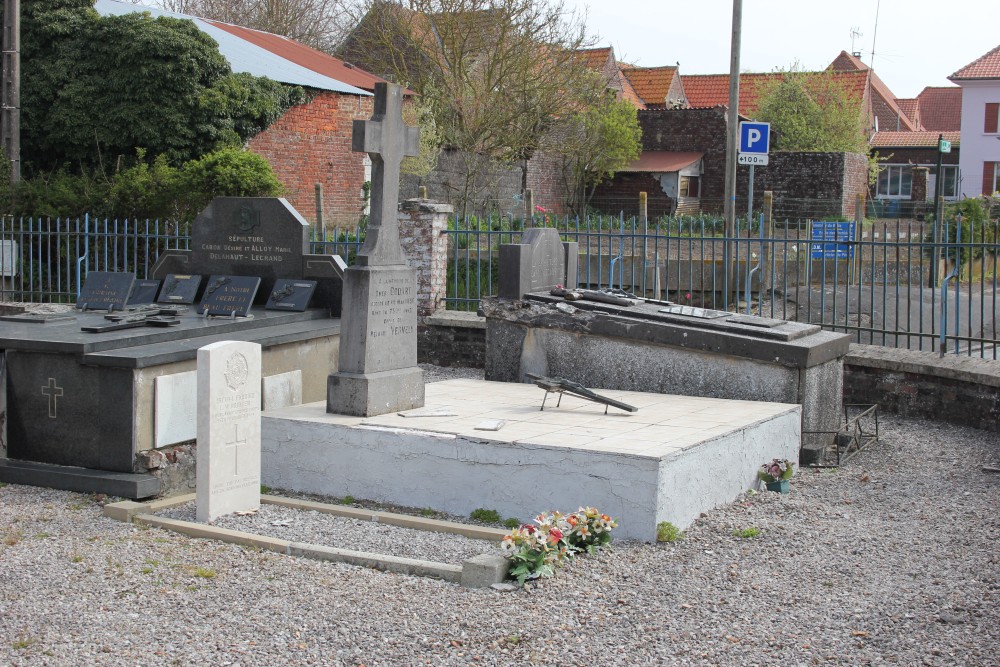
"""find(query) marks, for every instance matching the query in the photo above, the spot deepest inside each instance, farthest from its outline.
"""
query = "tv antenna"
(855, 34)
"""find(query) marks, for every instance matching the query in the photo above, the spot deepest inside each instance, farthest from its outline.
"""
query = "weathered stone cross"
(386, 139)
(53, 392)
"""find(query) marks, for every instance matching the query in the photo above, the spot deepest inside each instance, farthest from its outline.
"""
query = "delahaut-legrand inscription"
(246, 248)
(392, 309)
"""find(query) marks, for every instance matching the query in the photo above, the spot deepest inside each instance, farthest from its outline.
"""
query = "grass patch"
(23, 642)
(76, 558)
(12, 537)
(428, 513)
(486, 515)
(204, 573)
(347, 500)
(511, 523)
(668, 532)
(746, 533)
(265, 489)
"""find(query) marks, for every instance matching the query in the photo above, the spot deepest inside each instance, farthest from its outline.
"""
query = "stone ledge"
(479, 571)
(456, 318)
(964, 369)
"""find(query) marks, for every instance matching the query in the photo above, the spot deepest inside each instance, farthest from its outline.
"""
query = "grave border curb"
(479, 571)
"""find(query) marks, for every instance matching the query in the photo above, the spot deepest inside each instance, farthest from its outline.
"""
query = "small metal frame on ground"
(859, 430)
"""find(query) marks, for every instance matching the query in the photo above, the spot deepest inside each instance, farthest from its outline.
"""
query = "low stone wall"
(954, 389)
(452, 338)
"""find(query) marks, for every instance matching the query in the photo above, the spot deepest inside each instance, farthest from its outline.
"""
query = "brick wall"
(311, 143)
(422, 227)
(810, 185)
(545, 181)
(621, 195)
(495, 186)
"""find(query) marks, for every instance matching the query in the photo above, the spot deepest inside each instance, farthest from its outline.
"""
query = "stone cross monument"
(378, 370)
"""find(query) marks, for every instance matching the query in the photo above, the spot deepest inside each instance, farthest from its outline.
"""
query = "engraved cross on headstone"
(234, 444)
(386, 139)
(53, 392)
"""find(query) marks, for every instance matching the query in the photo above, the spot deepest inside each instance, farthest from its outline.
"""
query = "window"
(949, 183)
(690, 187)
(991, 177)
(992, 117)
(895, 182)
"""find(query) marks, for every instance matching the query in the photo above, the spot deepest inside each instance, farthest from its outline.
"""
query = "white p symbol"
(753, 136)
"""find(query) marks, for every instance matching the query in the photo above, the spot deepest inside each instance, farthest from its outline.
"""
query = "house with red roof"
(310, 143)
(980, 157)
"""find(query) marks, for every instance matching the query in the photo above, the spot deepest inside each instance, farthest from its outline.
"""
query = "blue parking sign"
(755, 137)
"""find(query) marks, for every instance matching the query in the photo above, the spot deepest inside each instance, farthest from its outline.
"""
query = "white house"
(979, 161)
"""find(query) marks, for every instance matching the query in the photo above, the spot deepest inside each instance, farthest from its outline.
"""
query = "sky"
(917, 43)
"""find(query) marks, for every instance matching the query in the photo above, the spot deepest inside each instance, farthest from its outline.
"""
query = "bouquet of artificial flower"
(776, 471)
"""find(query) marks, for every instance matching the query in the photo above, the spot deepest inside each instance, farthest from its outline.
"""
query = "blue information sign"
(832, 240)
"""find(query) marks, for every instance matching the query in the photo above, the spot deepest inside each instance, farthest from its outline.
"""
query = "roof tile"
(941, 108)
(922, 139)
(652, 84)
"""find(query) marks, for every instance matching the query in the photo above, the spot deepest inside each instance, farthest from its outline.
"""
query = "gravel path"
(892, 559)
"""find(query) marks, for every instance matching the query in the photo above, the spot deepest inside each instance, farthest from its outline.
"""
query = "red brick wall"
(311, 143)
(545, 182)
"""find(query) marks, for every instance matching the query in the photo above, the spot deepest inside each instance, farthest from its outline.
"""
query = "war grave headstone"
(378, 370)
(179, 289)
(143, 292)
(228, 469)
(540, 262)
(80, 391)
(105, 290)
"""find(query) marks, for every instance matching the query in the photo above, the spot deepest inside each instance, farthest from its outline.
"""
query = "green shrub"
(668, 532)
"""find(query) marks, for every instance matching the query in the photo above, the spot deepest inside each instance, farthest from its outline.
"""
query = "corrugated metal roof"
(242, 55)
(663, 161)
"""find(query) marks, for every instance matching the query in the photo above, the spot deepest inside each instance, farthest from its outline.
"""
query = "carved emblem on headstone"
(236, 371)
(247, 218)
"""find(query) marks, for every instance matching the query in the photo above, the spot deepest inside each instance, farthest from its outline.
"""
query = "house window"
(992, 118)
(690, 187)
(895, 182)
(991, 177)
(949, 182)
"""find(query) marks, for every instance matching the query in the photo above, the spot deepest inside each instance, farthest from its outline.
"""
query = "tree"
(496, 73)
(321, 24)
(812, 111)
(591, 145)
(97, 88)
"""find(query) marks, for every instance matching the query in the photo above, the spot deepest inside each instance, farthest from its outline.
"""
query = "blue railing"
(879, 287)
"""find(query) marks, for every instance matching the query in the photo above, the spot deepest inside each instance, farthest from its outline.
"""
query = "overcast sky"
(918, 42)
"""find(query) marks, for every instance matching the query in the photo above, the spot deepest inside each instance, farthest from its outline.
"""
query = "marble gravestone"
(378, 370)
(537, 264)
(228, 459)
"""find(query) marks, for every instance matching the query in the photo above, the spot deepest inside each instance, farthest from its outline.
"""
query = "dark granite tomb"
(255, 236)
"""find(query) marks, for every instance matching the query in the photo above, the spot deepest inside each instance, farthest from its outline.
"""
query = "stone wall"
(958, 390)
(452, 338)
(310, 144)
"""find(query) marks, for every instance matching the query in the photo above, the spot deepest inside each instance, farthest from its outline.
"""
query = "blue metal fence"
(879, 287)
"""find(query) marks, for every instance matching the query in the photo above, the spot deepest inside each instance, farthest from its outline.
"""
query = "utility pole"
(732, 136)
(10, 100)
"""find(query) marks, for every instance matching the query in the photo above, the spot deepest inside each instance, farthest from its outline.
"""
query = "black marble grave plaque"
(179, 289)
(105, 290)
(229, 295)
(291, 295)
(143, 292)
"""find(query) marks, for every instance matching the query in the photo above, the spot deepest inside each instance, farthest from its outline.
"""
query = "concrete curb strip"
(478, 572)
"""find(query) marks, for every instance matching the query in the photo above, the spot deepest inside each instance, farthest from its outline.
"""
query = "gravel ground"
(892, 559)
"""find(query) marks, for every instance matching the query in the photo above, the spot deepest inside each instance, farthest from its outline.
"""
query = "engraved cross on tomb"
(387, 140)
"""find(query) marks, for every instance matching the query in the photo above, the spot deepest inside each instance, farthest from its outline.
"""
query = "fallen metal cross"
(562, 385)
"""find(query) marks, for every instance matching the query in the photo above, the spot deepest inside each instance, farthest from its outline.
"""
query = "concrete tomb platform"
(675, 458)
